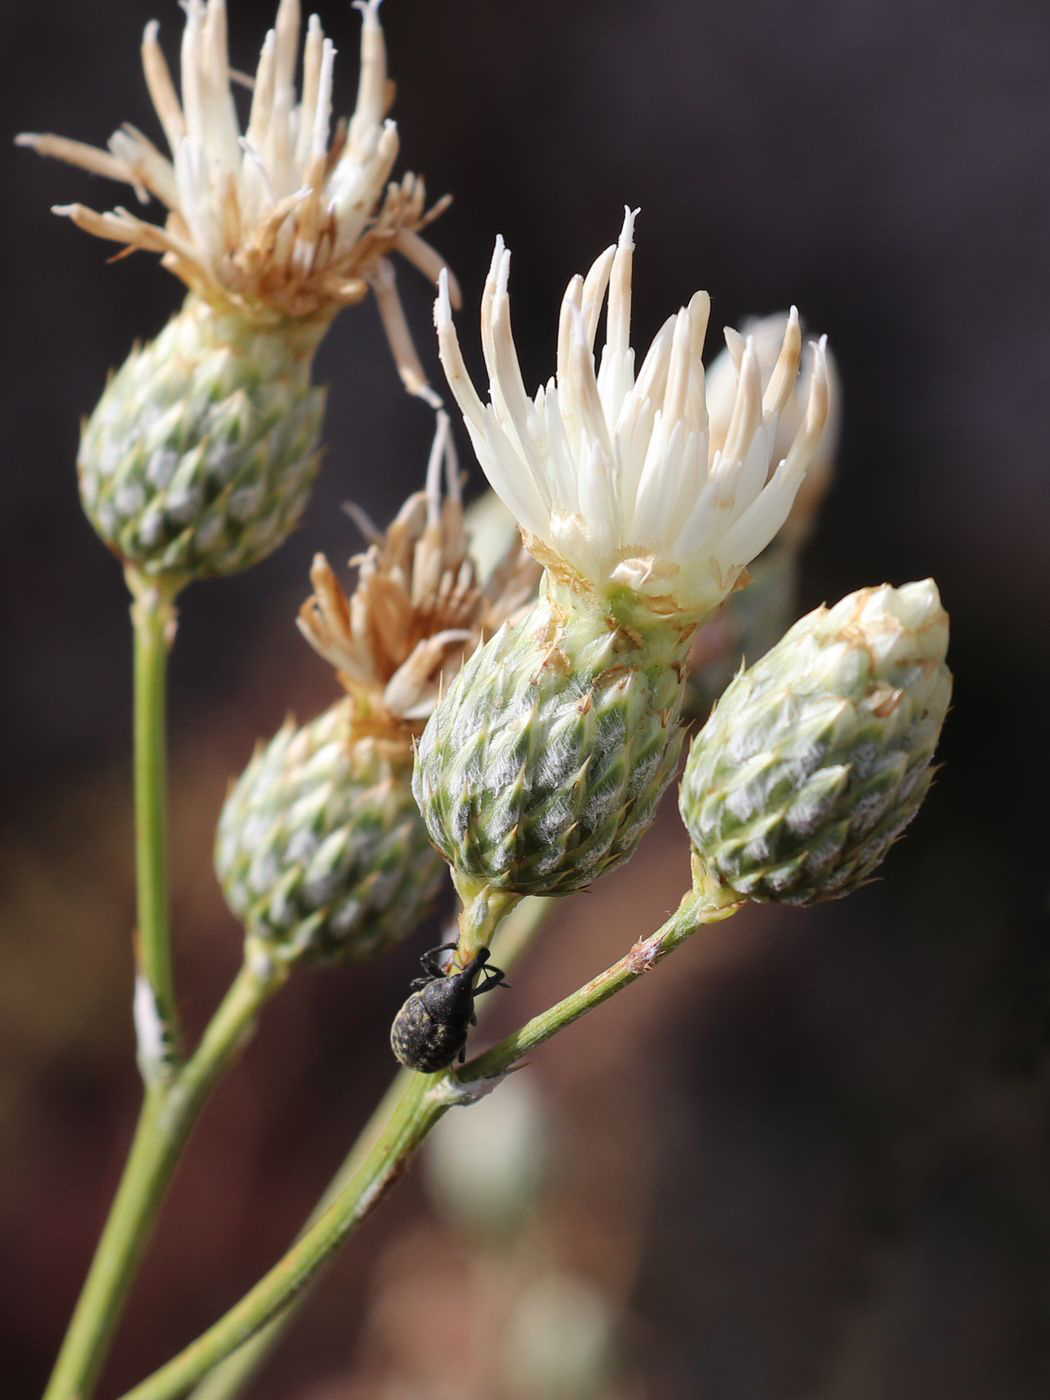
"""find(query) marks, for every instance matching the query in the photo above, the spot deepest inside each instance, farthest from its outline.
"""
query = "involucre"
(199, 457)
(816, 758)
(542, 766)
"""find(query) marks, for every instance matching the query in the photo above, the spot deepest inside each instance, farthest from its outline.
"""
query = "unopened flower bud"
(485, 1170)
(561, 1341)
(817, 757)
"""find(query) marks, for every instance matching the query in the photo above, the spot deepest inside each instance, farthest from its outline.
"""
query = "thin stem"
(231, 1375)
(424, 1099)
(119, 1249)
(229, 1378)
(482, 911)
(414, 1114)
(693, 912)
(169, 1112)
(153, 621)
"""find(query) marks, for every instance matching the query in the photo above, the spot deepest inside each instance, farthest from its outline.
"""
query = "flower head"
(419, 606)
(288, 217)
(609, 473)
(816, 758)
(767, 334)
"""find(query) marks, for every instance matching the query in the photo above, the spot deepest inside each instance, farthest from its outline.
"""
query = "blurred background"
(808, 1159)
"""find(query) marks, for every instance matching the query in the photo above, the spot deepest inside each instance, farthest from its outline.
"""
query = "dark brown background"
(812, 1152)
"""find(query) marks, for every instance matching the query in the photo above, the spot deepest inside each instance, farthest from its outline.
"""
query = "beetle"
(431, 1028)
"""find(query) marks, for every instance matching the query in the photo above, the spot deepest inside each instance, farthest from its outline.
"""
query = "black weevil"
(431, 1028)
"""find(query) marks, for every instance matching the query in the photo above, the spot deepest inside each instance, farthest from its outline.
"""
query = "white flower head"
(610, 473)
(767, 334)
(290, 215)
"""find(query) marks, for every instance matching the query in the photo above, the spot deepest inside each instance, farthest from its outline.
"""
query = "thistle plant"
(519, 723)
(750, 619)
(542, 766)
(200, 454)
(198, 458)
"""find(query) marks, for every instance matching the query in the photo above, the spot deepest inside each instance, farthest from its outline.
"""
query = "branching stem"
(170, 1110)
(174, 1092)
(230, 1377)
(421, 1100)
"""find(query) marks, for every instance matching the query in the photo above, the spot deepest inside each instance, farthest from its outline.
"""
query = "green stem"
(230, 1377)
(153, 621)
(170, 1109)
(118, 1251)
(415, 1112)
(422, 1101)
(694, 912)
(482, 911)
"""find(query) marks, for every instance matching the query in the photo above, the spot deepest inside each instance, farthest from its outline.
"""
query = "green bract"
(320, 850)
(542, 766)
(201, 452)
(817, 757)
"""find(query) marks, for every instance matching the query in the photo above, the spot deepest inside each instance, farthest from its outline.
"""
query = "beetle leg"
(431, 961)
(494, 977)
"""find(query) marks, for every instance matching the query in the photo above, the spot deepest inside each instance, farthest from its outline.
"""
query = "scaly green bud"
(199, 457)
(817, 757)
(320, 850)
(542, 766)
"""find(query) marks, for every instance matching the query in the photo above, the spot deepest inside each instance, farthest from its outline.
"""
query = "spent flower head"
(289, 216)
(611, 474)
(419, 605)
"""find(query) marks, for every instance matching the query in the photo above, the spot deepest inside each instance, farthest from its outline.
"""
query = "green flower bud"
(320, 850)
(817, 757)
(199, 457)
(542, 766)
